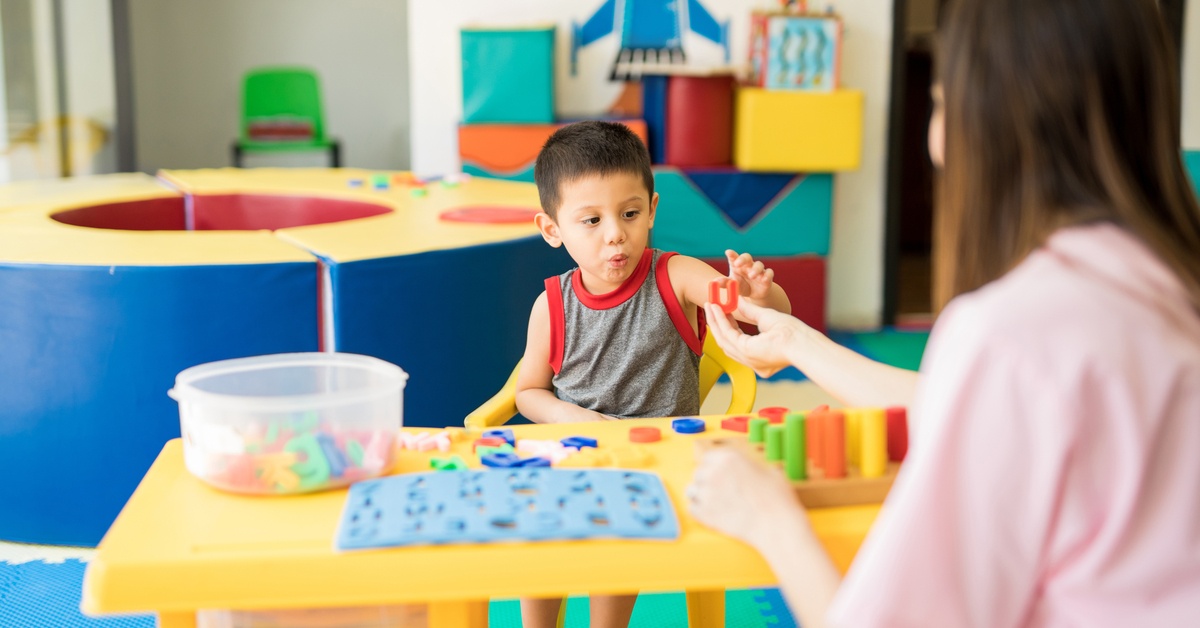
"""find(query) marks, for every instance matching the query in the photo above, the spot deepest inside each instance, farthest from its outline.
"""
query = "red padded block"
(249, 212)
(699, 125)
(152, 214)
(802, 278)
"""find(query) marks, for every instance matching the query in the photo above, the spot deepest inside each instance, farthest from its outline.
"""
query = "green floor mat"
(902, 349)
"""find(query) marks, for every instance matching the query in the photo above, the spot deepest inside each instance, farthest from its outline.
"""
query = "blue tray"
(525, 504)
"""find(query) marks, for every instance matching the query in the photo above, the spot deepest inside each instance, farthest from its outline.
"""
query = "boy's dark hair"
(588, 148)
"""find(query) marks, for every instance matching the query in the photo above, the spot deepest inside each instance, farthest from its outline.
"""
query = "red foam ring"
(774, 414)
(736, 424)
(897, 433)
(252, 212)
(151, 214)
(490, 215)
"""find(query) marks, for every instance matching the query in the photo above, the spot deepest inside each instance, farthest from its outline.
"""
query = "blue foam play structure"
(89, 354)
(460, 348)
(528, 504)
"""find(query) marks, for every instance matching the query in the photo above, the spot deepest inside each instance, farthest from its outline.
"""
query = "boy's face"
(604, 221)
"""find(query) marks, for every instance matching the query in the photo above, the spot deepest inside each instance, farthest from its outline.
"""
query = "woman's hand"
(733, 493)
(779, 336)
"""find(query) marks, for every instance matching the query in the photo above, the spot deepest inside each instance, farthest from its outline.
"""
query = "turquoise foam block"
(525, 503)
(508, 75)
(1191, 159)
(796, 222)
(524, 175)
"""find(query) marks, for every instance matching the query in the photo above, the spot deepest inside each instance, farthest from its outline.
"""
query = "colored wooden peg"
(897, 433)
(758, 429)
(794, 446)
(731, 288)
(774, 448)
(833, 435)
(873, 443)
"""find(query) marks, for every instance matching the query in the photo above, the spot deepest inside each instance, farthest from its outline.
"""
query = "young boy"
(621, 335)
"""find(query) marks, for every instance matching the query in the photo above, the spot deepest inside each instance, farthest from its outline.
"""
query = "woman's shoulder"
(1089, 291)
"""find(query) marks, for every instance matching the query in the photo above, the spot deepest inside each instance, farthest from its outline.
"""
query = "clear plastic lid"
(289, 381)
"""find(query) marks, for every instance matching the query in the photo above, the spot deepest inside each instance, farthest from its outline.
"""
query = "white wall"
(1191, 76)
(856, 257)
(91, 85)
(189, 57)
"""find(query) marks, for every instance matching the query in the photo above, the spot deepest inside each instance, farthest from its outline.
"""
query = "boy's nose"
(616, 234)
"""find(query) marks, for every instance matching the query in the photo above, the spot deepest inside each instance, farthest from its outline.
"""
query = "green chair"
(281, 112)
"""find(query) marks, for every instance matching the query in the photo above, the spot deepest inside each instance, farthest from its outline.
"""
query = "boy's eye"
(591, 221)
(632, 213)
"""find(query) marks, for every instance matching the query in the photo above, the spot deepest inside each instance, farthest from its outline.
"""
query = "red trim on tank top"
(623, 293)
(557, 323)
(694, 340)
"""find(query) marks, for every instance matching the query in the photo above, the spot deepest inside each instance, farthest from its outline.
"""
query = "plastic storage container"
(290, 423)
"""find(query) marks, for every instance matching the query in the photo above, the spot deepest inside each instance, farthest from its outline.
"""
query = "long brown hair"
(1058, 112)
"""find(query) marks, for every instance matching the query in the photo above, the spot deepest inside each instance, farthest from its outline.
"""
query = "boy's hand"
(754, 279)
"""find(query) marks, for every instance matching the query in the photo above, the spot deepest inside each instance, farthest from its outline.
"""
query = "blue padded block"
(654, 111)
(740, 195)
(88, 356)
(1191, 159)
(797, 222)
(462, 344)
(528, 504)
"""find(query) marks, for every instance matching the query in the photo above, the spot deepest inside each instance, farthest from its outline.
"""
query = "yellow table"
(180, 546)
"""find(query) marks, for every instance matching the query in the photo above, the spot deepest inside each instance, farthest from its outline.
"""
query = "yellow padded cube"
(796, 131)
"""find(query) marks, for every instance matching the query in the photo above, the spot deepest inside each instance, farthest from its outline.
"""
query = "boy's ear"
(549, 229)
(653, 208)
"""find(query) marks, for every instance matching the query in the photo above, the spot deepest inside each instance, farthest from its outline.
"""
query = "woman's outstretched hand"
(737, 495)
(767, 352)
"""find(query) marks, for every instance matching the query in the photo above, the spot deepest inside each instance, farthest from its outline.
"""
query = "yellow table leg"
(706, 609)
(459, 614)
(176, 620)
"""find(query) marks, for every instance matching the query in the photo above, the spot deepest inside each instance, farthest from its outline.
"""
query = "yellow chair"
(503, 405)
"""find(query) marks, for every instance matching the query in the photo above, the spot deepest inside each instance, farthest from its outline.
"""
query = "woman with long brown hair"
(1053, 476)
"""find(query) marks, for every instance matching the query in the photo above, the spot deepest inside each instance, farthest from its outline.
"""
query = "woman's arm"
(783, 340)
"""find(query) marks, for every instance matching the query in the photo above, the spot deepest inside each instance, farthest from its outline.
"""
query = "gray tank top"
(629, 353)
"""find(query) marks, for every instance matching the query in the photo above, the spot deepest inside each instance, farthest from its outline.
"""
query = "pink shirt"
(1054, 472)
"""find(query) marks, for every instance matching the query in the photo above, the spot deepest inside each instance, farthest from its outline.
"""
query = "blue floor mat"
(46, 595)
